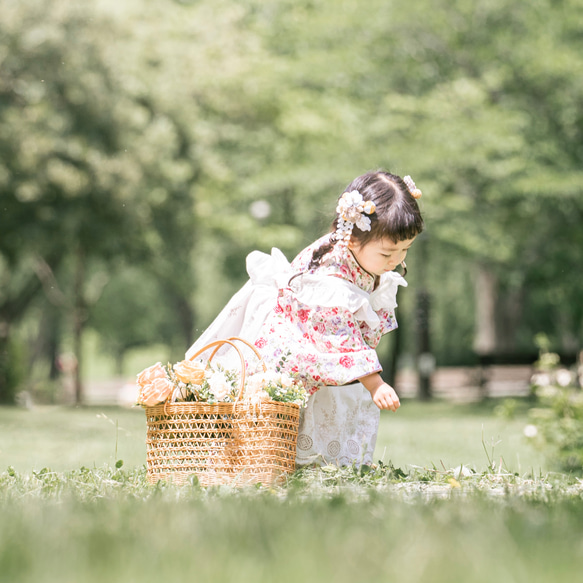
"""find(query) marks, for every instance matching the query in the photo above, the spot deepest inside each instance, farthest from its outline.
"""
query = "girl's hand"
(383, 395)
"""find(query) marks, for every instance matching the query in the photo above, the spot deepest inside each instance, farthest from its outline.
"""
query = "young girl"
(322, 316)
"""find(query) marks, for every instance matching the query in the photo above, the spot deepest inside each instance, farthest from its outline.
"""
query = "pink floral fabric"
(324, 345)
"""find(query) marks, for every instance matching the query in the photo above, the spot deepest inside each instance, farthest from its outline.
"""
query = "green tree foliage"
(124, 317)
(174, 137)
(499, 124)
(89, 169)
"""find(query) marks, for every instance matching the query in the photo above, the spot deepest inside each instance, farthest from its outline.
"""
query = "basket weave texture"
(222, 443)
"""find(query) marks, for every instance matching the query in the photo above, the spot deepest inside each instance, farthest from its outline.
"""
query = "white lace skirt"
(339, 426)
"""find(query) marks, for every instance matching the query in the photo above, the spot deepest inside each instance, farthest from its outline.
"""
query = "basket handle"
(257, 353)
(231, 342)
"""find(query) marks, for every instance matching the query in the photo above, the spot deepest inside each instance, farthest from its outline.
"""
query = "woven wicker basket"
(222, 443)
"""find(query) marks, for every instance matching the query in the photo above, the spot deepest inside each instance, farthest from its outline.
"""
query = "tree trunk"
(54, 346)
(486, 287)
(186, 318)
(11, 310)
(510, 309)
(79, 316)
(567, 326)
(48, 342)
(485, 338)
(425, 357)
(6, 385)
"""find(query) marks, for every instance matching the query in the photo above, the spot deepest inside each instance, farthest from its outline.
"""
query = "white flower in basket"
(254, 391)
(219, 384)
(202, 382)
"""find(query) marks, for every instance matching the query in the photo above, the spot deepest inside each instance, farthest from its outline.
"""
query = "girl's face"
(381, 255)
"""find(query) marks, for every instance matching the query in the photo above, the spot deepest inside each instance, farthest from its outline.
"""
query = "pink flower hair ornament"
(352, 210)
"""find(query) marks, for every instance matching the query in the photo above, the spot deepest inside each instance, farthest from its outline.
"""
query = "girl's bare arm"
(383, 395)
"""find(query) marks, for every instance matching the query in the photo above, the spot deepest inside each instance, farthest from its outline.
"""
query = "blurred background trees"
(146, 148)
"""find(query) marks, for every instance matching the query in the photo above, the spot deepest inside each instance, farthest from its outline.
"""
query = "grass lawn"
(447, 434)
(90, 522)
(419, 434)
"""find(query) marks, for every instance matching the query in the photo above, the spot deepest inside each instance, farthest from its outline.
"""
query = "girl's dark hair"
(396, 217)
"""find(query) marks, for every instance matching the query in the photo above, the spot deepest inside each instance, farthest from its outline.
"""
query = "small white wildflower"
(563, 377)
(530, 431)
(541, 379)
(462, 471)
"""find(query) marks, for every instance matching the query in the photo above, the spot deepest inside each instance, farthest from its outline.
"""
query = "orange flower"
(189, 372)
(156, 392)
(148, 375)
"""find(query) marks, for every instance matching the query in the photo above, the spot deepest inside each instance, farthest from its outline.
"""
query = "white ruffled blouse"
(322, 325)
(327, 321)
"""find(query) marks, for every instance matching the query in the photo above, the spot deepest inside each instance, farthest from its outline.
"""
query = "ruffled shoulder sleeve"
(328, 291)
(385, 296)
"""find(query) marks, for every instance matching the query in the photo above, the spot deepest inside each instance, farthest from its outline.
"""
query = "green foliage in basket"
(197, 381)
(276, 386)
